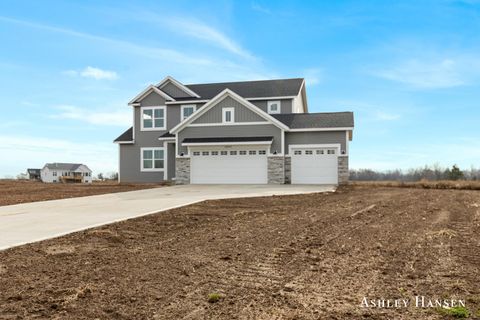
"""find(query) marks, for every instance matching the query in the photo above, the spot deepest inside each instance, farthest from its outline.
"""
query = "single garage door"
(314, 165)
(229, 165)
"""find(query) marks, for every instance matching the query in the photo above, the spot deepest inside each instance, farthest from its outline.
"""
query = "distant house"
(33, 174)
(66, 172)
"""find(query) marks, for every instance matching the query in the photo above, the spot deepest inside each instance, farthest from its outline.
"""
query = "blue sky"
(410, 70)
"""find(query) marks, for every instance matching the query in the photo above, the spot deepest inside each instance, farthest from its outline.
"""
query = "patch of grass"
(456, 312)
(214, 297)
(422, 184)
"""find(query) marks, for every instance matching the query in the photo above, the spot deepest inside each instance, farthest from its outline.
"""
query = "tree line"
(432, 173)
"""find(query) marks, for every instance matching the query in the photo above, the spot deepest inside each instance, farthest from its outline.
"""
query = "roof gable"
(146, 92)
(171, 81)
(227, 93)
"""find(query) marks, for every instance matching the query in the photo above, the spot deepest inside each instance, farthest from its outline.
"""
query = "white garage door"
(234, 165)
(314, 165)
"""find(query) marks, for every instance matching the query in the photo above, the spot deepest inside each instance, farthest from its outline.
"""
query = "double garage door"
(314, 165)
(229, 165)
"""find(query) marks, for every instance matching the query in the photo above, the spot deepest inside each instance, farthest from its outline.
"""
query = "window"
(54, 173)
(214, 153)
(319, 151)
(187, 110)
(273, 107)
(243, 152)
(309, 152)
(196, 153)
(252, 152)
(153, 159)
(205, 153)
(331, 151)
(223, 153)
(297, 152)
(228, 115)
(262, 152)
(233, 153)
(153, 118)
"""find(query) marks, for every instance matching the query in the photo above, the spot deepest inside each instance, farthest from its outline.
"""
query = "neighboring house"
(252, 132)
(66, 172)
(33, 174)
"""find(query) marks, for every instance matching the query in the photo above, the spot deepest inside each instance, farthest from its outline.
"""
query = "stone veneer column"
(288, 170)
(343, 173)
(276, 170)
(182, 170)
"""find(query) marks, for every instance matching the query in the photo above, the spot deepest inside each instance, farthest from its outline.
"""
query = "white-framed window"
(152, 159)
(223, 153)
(205, 153)
(54, 173)
(214, 153)
(196, 153)
(308, 152)
(228, 115)
(297, 152)
(233, 153)
(331, 151)
(262, 152)
(187, 110)
(274, 107)
(252, 152)
(320, 151)
(243, 152)
(153, 118)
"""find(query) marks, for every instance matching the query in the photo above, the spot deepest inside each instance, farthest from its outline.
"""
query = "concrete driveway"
(30, 222)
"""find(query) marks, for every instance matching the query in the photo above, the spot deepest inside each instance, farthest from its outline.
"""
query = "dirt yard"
(21, 191)
(291, 257)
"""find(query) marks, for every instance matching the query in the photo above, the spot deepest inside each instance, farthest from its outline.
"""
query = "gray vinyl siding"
(285, 105)
(315, 137)
(232, 131)
(171, 160)
(174, 91)
(242, 113)
(130, 165)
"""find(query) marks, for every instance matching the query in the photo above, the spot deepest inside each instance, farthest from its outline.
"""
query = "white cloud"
(429, 73)
(32, 151)
(94, 73)
(259, 8)
(202, 31)
(104, 118)
(313, 76)
(385, 116)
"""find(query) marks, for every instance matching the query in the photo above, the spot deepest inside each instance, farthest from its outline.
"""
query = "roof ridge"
(245, 81)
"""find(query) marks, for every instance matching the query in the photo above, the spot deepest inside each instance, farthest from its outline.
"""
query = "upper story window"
(153, 118)
(187, 110)
(228, 115)
(273, 107)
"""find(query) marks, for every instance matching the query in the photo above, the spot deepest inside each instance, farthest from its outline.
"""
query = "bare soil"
(291, 257)
(21, 191)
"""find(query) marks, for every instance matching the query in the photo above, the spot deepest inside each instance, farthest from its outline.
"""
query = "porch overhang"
(222, 141)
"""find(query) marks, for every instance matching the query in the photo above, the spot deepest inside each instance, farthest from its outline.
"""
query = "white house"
(66, 172)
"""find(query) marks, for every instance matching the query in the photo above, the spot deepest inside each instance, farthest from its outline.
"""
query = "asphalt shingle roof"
(227, 139)
(63, 166)
(316, 120)
(250, 89)
(127, 136)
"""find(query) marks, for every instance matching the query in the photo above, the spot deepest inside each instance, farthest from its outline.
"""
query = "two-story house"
(252, 132)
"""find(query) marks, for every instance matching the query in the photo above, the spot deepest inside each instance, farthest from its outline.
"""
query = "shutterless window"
(196, 153)
(262, 152)
(309, 152)
(297, 152)
(252, 152)
(153, 118)
(273, 107)
(233, 153)
(228, 115)
(188, 110)
(214, 153)
(152, 159)
(319, 151)
(243, 152)
(331, 151)
(223, 153)
(205, 153)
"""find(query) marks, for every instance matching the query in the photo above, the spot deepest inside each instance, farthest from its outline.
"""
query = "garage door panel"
(310, 166)
(229, 169)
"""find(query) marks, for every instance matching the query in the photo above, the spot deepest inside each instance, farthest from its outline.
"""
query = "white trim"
(183, 106)
(219, 97)
(164, 108)
(346, 145)
(321, 129)
(119, 162)
(269, 105)
(187, 101)
(248, 99)
(178, 84)
(227, 143)
(229, 124)
(270, 98)
(165, 145)
(142, 169)
(166, 138)
(282, 140)
(232, 115)
(146, 92)
(305, 102)
(124, 142)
